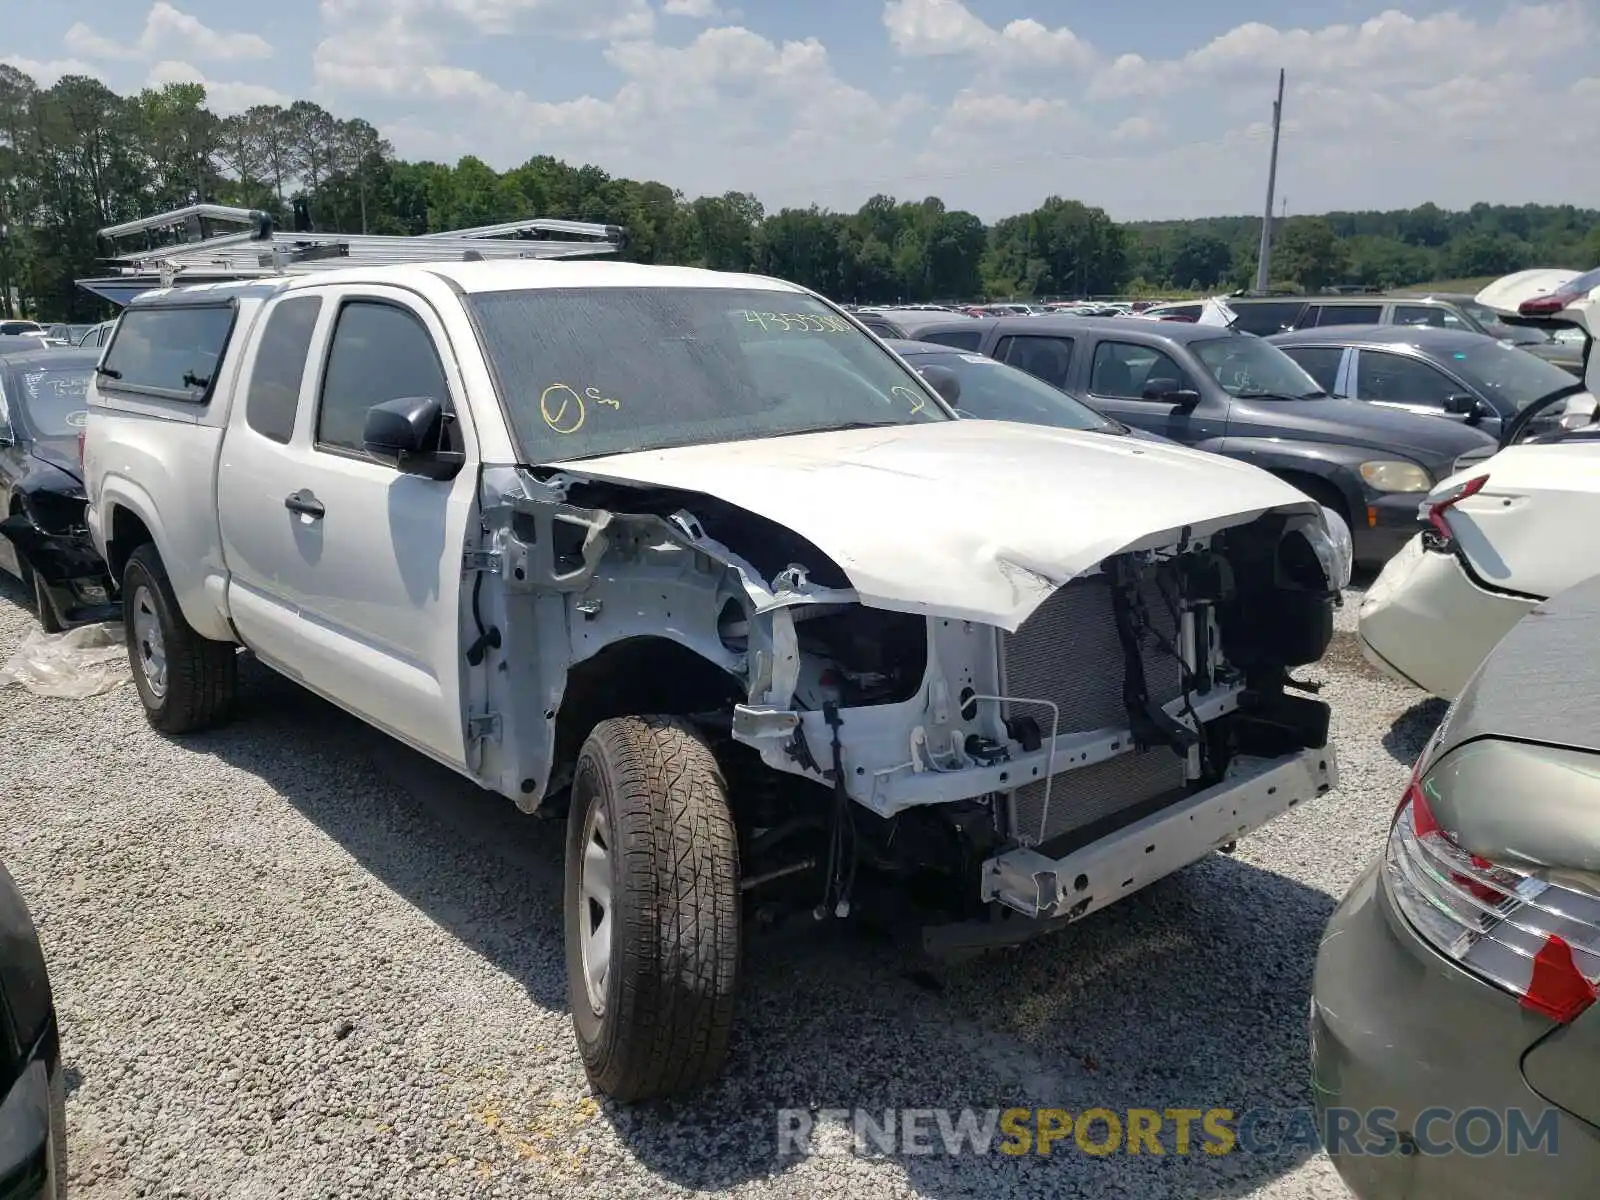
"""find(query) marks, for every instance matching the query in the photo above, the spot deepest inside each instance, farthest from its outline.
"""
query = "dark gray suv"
(1216, 389)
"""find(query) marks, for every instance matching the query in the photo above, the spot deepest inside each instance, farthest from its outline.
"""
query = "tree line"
(76, 157)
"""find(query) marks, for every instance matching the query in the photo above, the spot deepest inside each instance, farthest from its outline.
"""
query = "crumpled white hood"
(975, 520)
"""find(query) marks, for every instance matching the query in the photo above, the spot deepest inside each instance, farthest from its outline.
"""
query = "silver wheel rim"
(594, 905)
(148, 645)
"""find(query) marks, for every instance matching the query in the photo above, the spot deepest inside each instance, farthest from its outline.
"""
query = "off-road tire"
(675, 915)
(202, 675)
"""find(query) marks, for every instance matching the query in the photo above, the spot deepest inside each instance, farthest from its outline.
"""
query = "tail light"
(1538, 941)
(80, 447)
(1433, 511)
(1569, 293)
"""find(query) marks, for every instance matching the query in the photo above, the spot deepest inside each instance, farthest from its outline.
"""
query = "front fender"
(1335, 464)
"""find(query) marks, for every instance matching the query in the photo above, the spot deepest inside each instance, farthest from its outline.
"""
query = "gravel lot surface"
(294, 959)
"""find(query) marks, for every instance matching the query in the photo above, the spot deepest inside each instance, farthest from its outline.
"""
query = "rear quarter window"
(171, 351)
(1268, 318)
(960, 339)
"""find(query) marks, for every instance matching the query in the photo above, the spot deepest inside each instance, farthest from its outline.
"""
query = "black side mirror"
(943, 380)
(409, 432)
(1462, 405)
(1171, 391)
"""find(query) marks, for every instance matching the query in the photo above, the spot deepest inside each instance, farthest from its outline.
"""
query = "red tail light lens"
(80, 447)
(1538, 941)
(1433, 511)
(1542, 306)
(1570, 293)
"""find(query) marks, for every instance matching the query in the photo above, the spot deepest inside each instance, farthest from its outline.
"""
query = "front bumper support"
(1255, 791)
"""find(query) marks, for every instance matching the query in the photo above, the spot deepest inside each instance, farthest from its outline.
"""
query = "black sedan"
(1235, 394)
(33, 1136)
(44, 538)
(1468, 377)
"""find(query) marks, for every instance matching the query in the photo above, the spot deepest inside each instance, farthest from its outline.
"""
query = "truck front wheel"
(652, 909)
(185, 681)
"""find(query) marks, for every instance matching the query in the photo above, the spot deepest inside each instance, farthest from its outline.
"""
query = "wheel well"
(128, 533)
(1323, 491)
(634, 677)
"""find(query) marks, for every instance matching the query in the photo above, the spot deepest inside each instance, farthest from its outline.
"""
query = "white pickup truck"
(696, 558)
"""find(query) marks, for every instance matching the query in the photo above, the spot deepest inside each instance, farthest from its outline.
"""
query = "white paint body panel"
(975, 520)
(1534, 530)
(1425, 623)
(362, 605)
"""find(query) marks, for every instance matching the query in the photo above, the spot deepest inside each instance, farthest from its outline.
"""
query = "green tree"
(1309, 252)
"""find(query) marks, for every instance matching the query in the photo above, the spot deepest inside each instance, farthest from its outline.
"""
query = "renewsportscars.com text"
(1169, 1131)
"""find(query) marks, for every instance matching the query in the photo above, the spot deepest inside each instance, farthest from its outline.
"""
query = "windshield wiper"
(842, 425)
(1317, 395)
(108, 372)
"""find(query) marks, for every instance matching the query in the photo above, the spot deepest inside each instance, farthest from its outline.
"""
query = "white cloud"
(1389, 49)
(169, 31)
(700, 10)
(1385, 112)
(222, 98)
(935, 28)
(46, 73)
(1134, 129)
(580, 19)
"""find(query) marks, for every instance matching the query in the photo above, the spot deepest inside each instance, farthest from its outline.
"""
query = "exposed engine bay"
(919, 746)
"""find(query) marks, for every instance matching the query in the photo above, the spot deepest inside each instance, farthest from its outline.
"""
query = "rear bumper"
(1405, 1047)
(1424, 622)
(1255, 791)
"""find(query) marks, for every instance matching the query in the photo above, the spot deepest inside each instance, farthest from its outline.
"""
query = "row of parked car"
(1007, 617)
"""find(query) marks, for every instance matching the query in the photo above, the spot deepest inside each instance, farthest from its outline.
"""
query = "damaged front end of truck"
(1012, 755)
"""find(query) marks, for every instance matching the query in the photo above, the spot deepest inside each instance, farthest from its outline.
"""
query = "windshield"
(1507, 373)
(1522, 335)
(1249, 368)
(54, 400)
(992, 391)
(591, 371)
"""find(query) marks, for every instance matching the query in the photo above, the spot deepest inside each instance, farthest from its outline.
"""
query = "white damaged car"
(1506, 531)
(698, 561)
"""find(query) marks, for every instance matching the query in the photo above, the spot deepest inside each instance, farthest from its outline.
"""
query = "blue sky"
(1151, 108)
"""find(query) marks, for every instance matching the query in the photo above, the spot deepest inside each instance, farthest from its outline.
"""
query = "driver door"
(1129, 381)
(346, 572)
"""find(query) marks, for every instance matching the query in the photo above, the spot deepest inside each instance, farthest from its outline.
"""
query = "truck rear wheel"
(652, 909)
(185, 681)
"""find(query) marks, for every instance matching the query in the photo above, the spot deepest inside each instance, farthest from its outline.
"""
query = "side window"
(1349, 314)
(1320, 362)
(168, 350)
(1046, 358)
(961, 339)
(6, 435)
(1268, 317)
(1401, 380)
(379, 352)
(1427, 314)
(280, 364)
(1123, 371)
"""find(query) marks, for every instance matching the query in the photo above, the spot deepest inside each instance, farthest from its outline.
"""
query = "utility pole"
(1264, 259)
